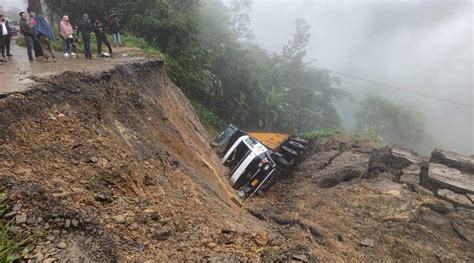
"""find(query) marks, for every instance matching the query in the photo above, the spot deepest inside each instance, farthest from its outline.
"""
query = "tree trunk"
(35, 6)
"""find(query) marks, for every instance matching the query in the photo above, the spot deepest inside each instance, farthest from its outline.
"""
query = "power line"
(383, 84)
(398, 88)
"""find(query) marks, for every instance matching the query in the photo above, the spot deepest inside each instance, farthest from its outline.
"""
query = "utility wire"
(398, 88)
(384, 85)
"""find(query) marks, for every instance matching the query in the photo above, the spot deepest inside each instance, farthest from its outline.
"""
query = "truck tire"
(295, 145)
(289, 151)
(281, 161)
(300, 141)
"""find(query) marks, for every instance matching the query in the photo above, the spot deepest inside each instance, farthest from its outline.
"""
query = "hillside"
(116, 167)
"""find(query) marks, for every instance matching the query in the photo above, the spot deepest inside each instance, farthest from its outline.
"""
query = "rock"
(471, 197)
(94, 160)
(50, 260)
(148, 180)
(10, 215)
(440, 206)
(31, 261)
(455, 198)
(120, 218)
(421, 190)
(39, 257)
(31, 220)
(101, 132)
(302, 258)
(393, 159)
(343, 168)
(162, 234)
(104, 198)
(405, 157)
(17, 207)
(367, 242)
(463, 232)
(61, 245)
(20, 219)
(436, 176)
(67, 223)
(75, 222)
(339, 238)
(411, 175)
(432, 217)
(453, 160)
(261, 238)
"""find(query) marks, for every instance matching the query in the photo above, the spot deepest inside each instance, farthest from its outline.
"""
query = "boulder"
(343, 168)
(411, 175)
(457, 199)
(394, 160)
(438, 176)
(454, 160)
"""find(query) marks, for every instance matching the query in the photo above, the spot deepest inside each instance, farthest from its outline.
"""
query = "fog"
(422, 46)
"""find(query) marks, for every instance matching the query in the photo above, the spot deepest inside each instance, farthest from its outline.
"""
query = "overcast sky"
(7, 4)
(423, 46)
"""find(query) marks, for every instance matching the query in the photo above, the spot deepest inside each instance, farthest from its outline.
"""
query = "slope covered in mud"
(115, 166)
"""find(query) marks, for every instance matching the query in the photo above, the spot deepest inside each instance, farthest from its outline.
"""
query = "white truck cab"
(250, 166)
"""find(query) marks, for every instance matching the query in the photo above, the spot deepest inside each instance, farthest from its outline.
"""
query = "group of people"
(39, 36)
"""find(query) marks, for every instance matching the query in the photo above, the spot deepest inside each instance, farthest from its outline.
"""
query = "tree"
(239, 21)
(394, 123)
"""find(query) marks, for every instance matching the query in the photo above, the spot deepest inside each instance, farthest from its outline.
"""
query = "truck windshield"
(239, 154)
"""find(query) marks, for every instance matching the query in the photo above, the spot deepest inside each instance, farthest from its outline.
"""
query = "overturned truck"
(255, 159)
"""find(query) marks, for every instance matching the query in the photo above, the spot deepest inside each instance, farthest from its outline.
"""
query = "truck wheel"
(281, 161)
(295, 145)
(289, 151)
(300, 141)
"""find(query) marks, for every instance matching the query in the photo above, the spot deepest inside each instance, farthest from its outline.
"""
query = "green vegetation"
(208, 118)
(130, 40)
(14, 243)
(389, 123)
(205, 45)
(327, 132)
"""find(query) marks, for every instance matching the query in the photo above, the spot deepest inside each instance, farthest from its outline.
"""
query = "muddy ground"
(115, 167)
(18, 73)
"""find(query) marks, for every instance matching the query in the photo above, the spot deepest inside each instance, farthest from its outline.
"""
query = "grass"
(128, 40)
(371, 135)
(208, 118)
(326, 132)
(14, 244)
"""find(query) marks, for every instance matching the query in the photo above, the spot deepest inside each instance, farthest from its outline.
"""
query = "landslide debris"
(115, 166)
(349, 201)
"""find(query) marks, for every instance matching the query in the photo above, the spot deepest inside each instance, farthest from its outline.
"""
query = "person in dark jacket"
(85, 27)
(28, 34)
(5, 36)
(115, 26)
(101, 36)
(36, 45)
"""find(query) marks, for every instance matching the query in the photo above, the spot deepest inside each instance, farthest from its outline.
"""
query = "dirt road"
(18, 73)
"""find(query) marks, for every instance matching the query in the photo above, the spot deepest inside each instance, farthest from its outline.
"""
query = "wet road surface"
(16, 74)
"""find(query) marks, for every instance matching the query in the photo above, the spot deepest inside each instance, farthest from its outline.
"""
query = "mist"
(421, 46)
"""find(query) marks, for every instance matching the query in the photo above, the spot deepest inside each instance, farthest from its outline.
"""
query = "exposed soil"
(115, 166)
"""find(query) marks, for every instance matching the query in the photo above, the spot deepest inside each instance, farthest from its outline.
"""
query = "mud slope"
(116, 166)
